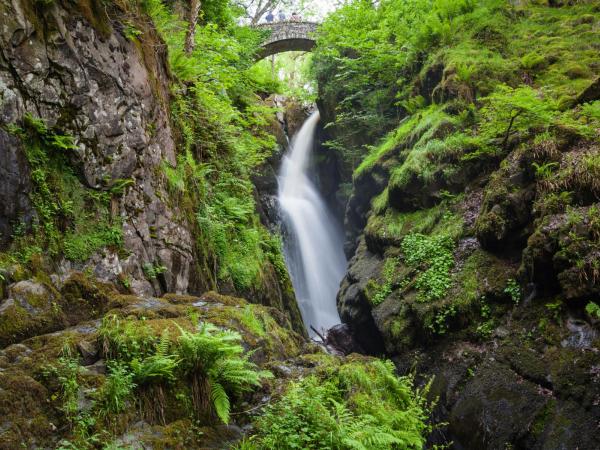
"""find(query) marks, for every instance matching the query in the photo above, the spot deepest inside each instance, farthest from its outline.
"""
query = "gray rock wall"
(111, 95)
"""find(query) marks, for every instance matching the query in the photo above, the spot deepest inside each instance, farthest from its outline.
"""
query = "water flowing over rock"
(314, 249)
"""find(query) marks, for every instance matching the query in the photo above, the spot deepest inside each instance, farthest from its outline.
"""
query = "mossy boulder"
(32, 394)
(501, 403)
(564, 251)
(507, 202)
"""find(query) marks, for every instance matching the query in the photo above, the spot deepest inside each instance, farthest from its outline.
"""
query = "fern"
(220, 400)
(217, 357)
(155, 369)
(359, 405)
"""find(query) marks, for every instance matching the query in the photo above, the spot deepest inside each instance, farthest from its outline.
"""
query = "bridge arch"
(287, 37)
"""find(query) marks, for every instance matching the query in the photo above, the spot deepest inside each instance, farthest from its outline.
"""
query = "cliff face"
(111, 94)
(474, 249)
(85, 108)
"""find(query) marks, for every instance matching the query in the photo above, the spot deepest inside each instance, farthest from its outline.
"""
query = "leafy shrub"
(212, 360)
(439, 324)
(593, 310)
(66, 372)
(357, 405)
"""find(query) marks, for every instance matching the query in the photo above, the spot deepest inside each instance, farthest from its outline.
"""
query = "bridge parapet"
(287, 36)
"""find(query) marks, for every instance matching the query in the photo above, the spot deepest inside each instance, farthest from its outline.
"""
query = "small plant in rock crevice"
(439, 325)
(486, 327)
(152, 271)
(593, 310)
(513, 290)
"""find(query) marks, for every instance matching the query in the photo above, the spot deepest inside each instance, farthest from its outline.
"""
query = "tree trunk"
(190, 36)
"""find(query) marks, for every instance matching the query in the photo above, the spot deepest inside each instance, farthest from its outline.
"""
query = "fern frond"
(220, 400)
(162, 349)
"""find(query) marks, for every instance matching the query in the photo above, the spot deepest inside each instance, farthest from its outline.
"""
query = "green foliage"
(439, 325)
(545, 170)
(216, 356)
(513, 290)
(71, 218)
(130, 31)
(253, 323)
(378, 292)
(555, 309)
(392, 141)
(357, 405)
(159, 367)
(516, 110)
(224, 137)
(125, 340)
(117, 388)
(79, 247)
(520, 65)
(432, 257)
(593, 310)
(486, 327)
(208, 357)
(152, 271)
(66, 372)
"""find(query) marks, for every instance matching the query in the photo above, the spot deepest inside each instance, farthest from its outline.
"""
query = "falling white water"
(314, 246)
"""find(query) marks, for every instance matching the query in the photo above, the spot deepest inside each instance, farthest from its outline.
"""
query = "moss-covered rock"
(37, 375)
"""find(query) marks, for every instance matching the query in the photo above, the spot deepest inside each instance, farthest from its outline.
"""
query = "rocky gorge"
(144, 296)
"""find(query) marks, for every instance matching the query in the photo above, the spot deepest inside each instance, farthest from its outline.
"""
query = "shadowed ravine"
(314, 248)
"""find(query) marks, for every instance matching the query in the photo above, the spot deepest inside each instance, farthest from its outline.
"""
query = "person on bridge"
(281, 16)
(295, 17)
(270, 17)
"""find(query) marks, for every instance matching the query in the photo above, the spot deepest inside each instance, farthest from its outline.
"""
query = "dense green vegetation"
(449, 89)
(353, 405)
(223, 130)
(505, 69)
(465, 133)
(158, 362)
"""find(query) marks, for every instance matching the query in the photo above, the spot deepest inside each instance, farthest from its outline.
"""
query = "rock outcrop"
(84, 75)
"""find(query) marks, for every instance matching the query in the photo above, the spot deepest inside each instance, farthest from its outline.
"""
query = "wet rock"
(341, 339)
(582, 335)
(31, 295)
(31, 309)
(14, 183)
(88, 351)
(590, 93)
(562, 254)
(97, 368)
(507, 204)
(353, 305)
(495, 408)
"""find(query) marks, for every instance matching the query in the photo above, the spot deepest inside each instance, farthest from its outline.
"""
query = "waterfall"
(314, 246)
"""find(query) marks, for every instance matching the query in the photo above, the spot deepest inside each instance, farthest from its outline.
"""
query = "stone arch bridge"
(287, 37)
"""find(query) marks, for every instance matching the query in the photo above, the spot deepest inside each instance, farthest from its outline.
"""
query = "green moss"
(543, 417)
(391, 226)
(378, 292)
